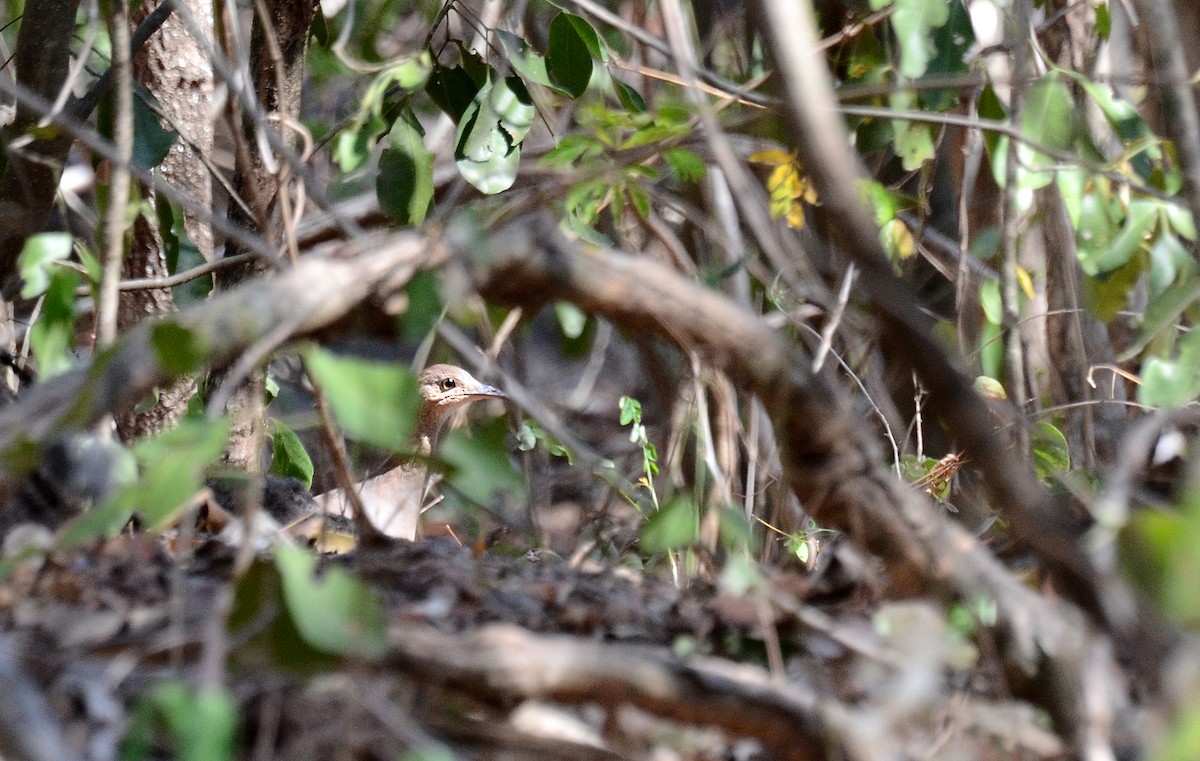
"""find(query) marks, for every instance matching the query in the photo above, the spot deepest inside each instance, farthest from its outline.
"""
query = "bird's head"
(445, 386)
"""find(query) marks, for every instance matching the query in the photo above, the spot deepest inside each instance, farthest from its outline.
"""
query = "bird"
(393, 500)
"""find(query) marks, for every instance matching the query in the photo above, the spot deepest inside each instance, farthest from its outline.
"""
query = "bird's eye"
(447, 384)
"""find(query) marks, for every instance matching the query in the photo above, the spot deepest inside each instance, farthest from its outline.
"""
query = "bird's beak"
(491, 391)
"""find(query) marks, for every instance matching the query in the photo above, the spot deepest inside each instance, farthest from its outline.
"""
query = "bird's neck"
(429, 425)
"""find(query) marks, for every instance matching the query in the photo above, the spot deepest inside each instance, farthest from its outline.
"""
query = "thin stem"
(119, 185)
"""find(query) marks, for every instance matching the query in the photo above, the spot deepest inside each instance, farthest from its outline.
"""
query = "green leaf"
(629, 98)
(1103, 21)
(1158, 551)
(424, 308)
(202, 725)
(915, 22)
(1107, 294)
(334, 612)
(452, 89)
(568, 60)
(405, 180)
(989, 299)
(51, 338)
(1162, 313)
(181, 253)
(686, 165)
(914, 140)
(1051, 455)
(1071, 183)
(631, 410)
(675, 525)
(151, 143)
(38, 258)
(1168, 257)
(526, 61)
(479, 466)
(571, 319)
(180, 350)
(740, 575)
(487, 143)
(288, 455)
(172, 466)
(375, 402)
(1142, 216)
(267, 635)
(1171, 383)
(735, 531)
(1048, 119)
(390, 87)
(952, 41)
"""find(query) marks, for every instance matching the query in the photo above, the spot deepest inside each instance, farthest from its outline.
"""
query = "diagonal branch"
(316, 292)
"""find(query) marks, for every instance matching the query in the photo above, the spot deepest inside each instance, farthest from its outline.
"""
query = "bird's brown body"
(393, 500)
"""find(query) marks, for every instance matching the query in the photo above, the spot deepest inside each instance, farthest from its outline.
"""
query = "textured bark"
(30, 177)
(277, 87)
(174, 69)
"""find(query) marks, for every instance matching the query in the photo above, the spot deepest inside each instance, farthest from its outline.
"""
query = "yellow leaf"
(772, 157)
(780, 178)
(1025, 281)
(808, 192)
(898, 239)
(795, 217)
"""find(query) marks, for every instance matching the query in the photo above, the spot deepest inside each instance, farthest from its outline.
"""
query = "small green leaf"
(487, 143)
(1162, 314)
(334, 612)
(38, 258)
(180, 350)
(1103, 21)
(289, 458)
(675, 525)
(526, 61)
(479, 466)
(915, 22)
(51, 338)
(736, 532)
(424, 308)
(631, 410)
(202, 725)
(1142, 216)
(452, 89)
(686, 165)
(375, 402)
(989, 299)
(571, 319)
(913, 139)
(568, 61)
(1168, 257)
(405, 180)
(1171, 383)
(151, 143)
(629, 98)
(953, 40)
(1051, 455)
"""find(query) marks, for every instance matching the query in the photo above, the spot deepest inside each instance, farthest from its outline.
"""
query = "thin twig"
(119, 182)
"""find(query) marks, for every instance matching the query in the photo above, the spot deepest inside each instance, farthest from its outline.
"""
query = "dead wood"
(832, 464)
(504, 663)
